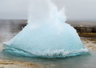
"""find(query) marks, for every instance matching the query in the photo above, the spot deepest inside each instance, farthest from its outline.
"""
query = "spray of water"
(46, 34)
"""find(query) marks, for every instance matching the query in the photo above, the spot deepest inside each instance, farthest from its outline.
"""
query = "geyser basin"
(46, 34)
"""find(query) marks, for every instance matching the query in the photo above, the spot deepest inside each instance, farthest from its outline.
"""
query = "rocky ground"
(90, 43)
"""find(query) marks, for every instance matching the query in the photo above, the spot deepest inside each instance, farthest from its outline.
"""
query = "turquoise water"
(46, 35)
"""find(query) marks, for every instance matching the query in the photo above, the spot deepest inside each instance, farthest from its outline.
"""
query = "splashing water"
(46, 34)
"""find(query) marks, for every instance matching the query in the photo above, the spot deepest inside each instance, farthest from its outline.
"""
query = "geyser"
(46, 34)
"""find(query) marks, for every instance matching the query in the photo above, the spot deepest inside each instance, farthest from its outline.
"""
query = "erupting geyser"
(46, 34)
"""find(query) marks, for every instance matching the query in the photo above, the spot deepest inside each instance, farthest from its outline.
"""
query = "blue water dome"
(46, 34)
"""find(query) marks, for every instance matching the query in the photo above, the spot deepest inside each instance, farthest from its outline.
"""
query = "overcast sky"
(75, 9)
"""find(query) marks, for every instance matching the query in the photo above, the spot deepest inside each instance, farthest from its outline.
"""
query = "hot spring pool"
(84, 61)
